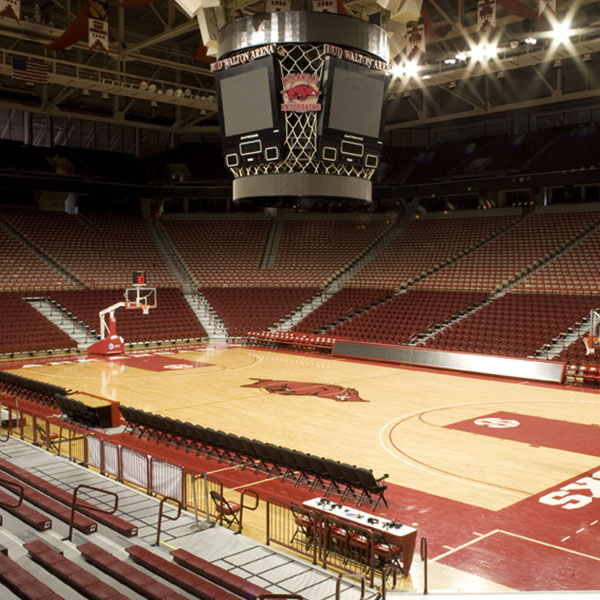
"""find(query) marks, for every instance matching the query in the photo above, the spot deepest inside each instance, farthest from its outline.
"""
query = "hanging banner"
(547, 5)
(278, 5)
(415, 34)
(325, 6)
(486, 14)
(11, 8)
(98, 25)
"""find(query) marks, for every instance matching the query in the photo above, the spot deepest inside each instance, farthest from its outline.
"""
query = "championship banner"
(547, 5)
(98, 25)
(278, 5)
(486, 14)
(415, 34)
(11, 8)
(325, 6)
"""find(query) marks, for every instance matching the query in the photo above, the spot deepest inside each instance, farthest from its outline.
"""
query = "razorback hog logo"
(303, 388)
(300, 92)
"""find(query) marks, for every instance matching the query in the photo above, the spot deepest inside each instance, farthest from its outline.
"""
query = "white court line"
(433, 470)
(521, 537)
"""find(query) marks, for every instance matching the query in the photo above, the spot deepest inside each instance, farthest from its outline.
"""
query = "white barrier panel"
(94, 451)
(523, 368)
(135, 468)
(167, 479)
(111, 459)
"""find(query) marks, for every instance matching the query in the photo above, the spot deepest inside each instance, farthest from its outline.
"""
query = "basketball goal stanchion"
(592, 338)
(424, 561)
(137, 297)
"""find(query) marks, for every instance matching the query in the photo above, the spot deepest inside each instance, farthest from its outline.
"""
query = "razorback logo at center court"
(300, 93)
(304, 388)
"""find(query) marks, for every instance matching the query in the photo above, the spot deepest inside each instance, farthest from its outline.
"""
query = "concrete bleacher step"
(71, 326)
(258, 564)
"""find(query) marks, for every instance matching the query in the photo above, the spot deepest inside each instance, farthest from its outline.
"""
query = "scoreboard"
(344, 99)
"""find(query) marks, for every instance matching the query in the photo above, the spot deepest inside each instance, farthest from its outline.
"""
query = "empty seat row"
(37, 391)
(328, 476)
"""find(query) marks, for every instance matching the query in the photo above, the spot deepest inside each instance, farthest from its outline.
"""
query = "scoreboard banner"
(278, 5)
(300, 93)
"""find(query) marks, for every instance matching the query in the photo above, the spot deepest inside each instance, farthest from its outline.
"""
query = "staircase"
(272, 244)
(337, 280)
(71, 325)
(24, 241)
(210, 320)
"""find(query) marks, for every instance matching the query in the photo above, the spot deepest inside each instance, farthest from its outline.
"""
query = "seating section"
(515, 324)
(425, 245)
(25, 513)
(514, 253)
(232, 582)
(172, 319)
(250, 308)
(21, 269)
(229, 253)
(326, 475)
(22, 583)
(402, 318)
(576, 271)
(576, 147)
(24, 329)
(48, 505)
(344, 303)
(220, 253)
(101, 251)
(133, 578)
(80, 579)
(30, 481)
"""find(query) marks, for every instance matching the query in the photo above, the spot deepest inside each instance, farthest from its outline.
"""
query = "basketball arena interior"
(299, 299)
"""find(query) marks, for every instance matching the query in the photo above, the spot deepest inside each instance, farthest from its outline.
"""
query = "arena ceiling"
(156, 74)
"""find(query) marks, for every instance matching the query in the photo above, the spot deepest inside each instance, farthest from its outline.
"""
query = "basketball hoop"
(145, 308)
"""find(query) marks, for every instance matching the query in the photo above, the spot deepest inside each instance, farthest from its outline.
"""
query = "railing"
(243, 506)
(161, 514)
(74, 505)
(338, 586)
(282, 529)
(424, 560)
(20, 489)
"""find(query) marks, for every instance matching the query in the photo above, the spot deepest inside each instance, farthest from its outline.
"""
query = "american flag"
(29, 70)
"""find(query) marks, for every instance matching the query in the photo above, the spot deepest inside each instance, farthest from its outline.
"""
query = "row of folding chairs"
(76, 411)
(326, 475)
(31, 389)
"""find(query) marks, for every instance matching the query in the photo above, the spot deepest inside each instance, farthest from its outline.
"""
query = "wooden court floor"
(502, 476)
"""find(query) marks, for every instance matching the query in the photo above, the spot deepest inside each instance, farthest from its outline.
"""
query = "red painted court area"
(526, 564)
(535, 431)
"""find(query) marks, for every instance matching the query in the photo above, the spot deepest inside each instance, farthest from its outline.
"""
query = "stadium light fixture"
(461, 56)
(531, 41)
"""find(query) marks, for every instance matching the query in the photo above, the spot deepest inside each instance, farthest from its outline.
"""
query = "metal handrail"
(169, 517)
(279, 597)
(21, 489)
(385, 572)
(424, 560)
(243, 506)
(92, 508)
(338, 585)
(9, 426)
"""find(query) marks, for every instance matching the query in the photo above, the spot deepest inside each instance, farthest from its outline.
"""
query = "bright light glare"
(490, 51)
(561, 31)
(461, 56)
(397, 71)
(411, 69)
(531, 41)
(477, 53)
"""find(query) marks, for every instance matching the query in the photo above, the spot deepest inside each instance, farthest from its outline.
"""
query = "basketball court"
(501, 476)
